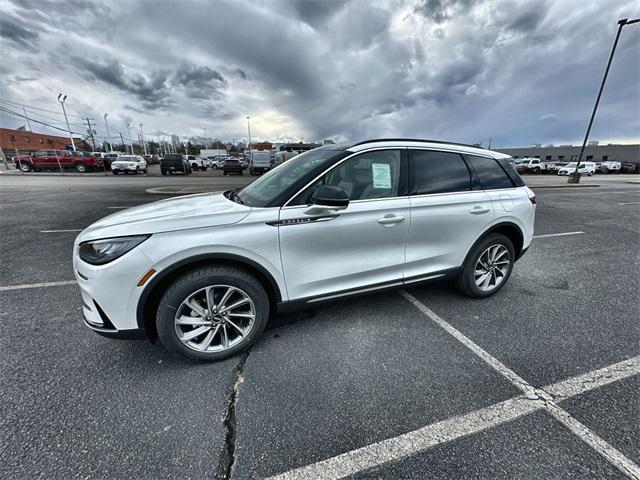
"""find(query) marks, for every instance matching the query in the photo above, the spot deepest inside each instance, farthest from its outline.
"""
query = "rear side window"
(490, 173)
(437, 172)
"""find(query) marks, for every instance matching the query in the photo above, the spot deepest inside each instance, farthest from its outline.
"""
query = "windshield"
(127, 158)
(294, 174)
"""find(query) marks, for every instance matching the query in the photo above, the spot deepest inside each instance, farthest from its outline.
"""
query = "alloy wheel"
(492, 267)
(215, 318)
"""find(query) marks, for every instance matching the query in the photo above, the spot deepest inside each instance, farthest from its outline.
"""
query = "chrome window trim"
(335, 165)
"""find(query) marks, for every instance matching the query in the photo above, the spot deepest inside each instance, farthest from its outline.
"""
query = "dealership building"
(25, 141)
(566, 153)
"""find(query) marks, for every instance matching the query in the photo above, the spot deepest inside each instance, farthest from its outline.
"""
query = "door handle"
(479, 210)
(390, 219)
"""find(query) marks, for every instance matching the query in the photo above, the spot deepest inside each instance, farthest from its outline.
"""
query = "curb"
(177, 190)
(578, 185)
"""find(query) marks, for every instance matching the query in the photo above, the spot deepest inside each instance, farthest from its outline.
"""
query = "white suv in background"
(205, 272)
(129, 164)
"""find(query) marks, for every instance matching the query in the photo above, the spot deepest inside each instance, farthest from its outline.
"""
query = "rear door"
(448, 213)
(362, 247)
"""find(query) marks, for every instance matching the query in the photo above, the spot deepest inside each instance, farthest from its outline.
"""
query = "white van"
(281, 157)
(586, 168)
(259, 162)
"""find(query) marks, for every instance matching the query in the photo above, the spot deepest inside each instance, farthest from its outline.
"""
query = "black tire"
(466, 280)
(137, 170)
(81, 167)
(25, 167)
(200, 278)
(163, 172)
(114, 172)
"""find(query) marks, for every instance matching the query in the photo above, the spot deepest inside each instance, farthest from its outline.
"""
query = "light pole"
(108, 135)
(249, 132)
(61, 99)
(144, 144)
(575, 176)
(129, 133)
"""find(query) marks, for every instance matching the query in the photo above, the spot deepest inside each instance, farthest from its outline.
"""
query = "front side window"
(490, 173)
(437, 172)
(366, 176)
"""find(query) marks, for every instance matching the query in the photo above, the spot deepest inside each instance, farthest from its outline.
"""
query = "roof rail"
(414, 140)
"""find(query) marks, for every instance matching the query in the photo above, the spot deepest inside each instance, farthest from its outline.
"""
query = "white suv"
(586, 168)
(205, 272)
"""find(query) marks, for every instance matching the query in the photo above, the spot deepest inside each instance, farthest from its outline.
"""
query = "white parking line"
(117, 208)
(62, 231)
(629, 203)
(533, 399)
(36, 285)
(558, 234)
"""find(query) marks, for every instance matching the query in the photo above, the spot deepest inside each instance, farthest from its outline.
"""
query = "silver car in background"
(204, 273)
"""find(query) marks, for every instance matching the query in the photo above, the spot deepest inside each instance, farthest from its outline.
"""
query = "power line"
(3, 109)
(24, 105)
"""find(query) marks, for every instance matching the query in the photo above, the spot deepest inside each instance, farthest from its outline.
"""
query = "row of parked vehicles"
(536, 166)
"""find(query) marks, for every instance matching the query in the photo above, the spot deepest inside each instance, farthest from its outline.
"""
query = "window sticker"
(381, 173)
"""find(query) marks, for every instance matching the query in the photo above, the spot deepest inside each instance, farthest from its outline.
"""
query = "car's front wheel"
(488, 266)
(212, 313)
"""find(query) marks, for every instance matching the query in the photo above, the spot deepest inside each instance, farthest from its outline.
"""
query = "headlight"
(99, 252)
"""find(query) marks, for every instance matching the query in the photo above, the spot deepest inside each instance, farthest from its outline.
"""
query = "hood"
(190, 211)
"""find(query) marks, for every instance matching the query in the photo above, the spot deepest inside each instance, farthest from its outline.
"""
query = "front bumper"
(110, 293)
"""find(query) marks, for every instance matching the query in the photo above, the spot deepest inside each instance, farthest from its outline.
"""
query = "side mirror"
(327, 197)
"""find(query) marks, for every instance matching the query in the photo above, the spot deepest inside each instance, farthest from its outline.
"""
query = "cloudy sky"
(518, 72)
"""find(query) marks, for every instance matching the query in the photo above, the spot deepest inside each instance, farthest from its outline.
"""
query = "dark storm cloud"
(18, 31)
(152, 90)
(314, 12)
(199, 82)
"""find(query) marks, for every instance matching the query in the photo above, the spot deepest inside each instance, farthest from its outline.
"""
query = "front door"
(362, 247)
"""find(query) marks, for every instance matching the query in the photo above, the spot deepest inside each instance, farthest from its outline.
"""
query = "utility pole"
(574, 177)
(61, 99)
(204, 137)
(144, 145)
(90, 132)
(27, 117)
(249, 132)
(122, 140)
(129, 133)
(490, 140)
(108, 134)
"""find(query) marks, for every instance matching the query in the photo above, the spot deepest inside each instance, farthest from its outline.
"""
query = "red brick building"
(26, 141)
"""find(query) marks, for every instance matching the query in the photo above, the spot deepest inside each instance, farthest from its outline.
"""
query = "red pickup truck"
(54, 159)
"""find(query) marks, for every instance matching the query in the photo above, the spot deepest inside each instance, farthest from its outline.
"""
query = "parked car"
(175, 163)
(204, 272)
(109, 157)
(129, 164)
(259, 162)
(630, 167)
(56, 159)
(610, 167)
(151, 159)
(198, 163)
(586, 168)
(232, 165)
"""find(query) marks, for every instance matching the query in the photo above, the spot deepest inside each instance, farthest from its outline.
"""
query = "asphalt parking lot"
(539, 381)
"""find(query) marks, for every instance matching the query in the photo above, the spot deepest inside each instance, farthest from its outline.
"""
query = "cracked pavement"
(329, 381)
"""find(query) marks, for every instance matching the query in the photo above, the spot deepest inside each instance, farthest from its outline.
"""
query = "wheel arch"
(510, 230)
(152, 293)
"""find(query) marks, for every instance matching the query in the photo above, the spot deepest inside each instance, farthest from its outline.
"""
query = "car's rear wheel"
(25, 167)
(80, 168)
(488, 266)
(212, 313)
(115, 172)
